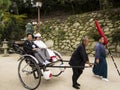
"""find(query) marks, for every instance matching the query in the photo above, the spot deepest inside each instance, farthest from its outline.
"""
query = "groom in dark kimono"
(79, 58)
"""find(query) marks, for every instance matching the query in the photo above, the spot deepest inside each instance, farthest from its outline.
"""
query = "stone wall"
(66, 34)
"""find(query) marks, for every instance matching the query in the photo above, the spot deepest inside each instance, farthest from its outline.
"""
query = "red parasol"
(101, 33)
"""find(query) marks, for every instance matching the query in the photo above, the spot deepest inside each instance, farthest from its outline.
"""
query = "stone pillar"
(5, 47)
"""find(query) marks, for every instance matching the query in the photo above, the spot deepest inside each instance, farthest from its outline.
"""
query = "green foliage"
(4, 5)
(48, 6)
(13, 27)
(72, 6)
(65, 6)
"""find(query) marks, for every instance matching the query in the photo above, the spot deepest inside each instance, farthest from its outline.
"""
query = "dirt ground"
(9, 78)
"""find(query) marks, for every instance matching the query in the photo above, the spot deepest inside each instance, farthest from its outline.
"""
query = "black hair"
(30, 34)
(98, 38)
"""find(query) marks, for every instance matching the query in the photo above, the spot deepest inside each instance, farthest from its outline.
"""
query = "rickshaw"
(30, 70)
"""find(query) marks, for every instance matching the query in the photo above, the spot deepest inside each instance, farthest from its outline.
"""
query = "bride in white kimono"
(42, 45)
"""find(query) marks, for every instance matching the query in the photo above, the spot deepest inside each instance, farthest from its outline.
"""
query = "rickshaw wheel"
(29, 73)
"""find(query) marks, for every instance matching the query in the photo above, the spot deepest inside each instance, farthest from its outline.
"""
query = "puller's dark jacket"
(79, 56)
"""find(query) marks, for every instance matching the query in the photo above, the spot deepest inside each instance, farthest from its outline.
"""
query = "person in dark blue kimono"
(100, 64)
